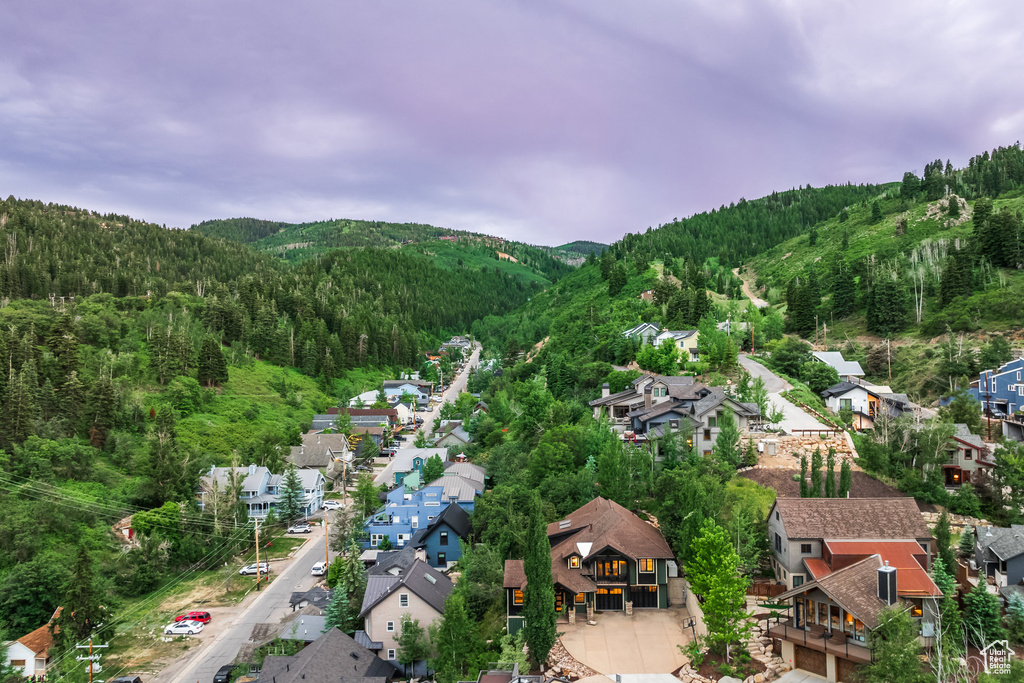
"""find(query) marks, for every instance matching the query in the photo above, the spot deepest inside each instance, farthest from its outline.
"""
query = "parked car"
(319, 569)
(300, 528)
(333, 505)
(201, 617)
(250, 569)
(183, 628)
(127, 679)
(223, 674)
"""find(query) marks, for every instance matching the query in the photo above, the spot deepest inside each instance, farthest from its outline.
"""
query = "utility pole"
(825, 328)
(91, 657)
(257, 523)
(888, 356)
(988, 408)
(327, 544)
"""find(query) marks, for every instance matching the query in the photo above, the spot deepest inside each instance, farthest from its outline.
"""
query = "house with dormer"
(684, 340)
(260, 488)
(603, 557)
(967, 455)
(645, 332)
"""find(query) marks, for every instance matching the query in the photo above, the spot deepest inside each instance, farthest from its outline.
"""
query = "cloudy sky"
(542, 121)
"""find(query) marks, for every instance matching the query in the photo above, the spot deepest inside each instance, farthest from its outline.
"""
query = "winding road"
(793, 417)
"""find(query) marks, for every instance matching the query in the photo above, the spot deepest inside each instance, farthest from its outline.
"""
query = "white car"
(300, 528)
(183, 628)
(319, 569)
(333, 505)
(250, 569)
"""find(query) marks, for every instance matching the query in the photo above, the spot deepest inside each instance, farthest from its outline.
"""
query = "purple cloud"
(545, 122)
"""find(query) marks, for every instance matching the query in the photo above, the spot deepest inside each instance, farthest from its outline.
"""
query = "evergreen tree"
(212, 367)
(983, 616)
(888, 306)
(539, 594)
(942, 541)
(291, 499)
(617, 281)
(1015, 618)
(830, 474)
(337, 613)
(805, 491)
(845, 478)
(966, 546)
(82, 607)
(815, 490)
(876, 212)
(843, 288)
(725, 450)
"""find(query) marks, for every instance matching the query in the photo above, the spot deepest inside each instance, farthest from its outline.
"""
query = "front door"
(609, 599)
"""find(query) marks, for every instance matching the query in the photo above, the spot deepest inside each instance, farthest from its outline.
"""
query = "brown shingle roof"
(40, 640)
(855, 588)
(605, 523)
(852, 518)
(515, 575)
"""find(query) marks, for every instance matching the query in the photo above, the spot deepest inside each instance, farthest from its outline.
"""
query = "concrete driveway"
(794, 417)
(644, 643)
(798, 676)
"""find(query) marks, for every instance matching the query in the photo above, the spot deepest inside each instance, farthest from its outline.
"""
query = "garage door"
(609, 599)
(644, 596)
(811, 660)
(846, 670)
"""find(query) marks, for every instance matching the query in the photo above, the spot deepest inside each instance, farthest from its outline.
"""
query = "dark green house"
(603, 558)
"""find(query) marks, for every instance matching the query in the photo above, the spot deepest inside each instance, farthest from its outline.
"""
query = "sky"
(545, 122)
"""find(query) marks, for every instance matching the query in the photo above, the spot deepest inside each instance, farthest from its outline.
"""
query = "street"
(269, 605)
(793, 417)
(454, 389)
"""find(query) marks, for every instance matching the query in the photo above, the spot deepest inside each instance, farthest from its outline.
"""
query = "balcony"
(839, 644)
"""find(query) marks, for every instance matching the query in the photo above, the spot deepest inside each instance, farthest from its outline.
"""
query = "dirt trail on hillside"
(759, 302)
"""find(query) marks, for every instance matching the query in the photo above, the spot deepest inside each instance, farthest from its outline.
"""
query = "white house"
(261, 489)
(845, 368)
(30, 655)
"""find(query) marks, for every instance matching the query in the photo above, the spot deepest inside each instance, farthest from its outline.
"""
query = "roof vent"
(354, 655)
(565, 524)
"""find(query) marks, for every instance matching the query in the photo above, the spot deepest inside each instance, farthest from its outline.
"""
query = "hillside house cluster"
(260, 488)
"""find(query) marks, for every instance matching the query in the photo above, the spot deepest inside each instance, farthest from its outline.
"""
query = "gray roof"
(316, 596)
(1001, 542)
(467, 470)
(963, 433)
(842, 388)
(431, 586)
(645, 414)
(454, 516)
(306, 628)
(617, 397)
(364, 640)
(252, 477)
(836, 360)
(394, 562)
(331, 658)
(458, 488)
(318, 450)
(402, 462)
(716, 398)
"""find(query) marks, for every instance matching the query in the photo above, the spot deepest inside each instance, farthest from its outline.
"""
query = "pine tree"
(291, 498)
(805, 492)
(617, 281)
(337, 613)
(983, 616)
(876, 212)
(845, 478)
(815, 491)
(212, 368)
(82, 608)
(966, 546)
(725, 449)
(539, 594)
(830, 474)
(942, 541)
(1015, 618)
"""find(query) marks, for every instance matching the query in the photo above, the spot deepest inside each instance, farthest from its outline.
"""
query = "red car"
(201, 617)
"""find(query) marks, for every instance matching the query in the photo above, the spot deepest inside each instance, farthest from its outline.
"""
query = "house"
(440, 543)
(867, 402)
(420, 591)
(396, 388)
(834, 613)
(408, 508)
(619, 405)
(372, 417)
(305, 628)
(845, 368)
(260, 489)
(1000, 390)
(830, 553)
(685, 341)
(967, 455)
(365, 399)
(700, 413)
(452, 434)
(602, 557)
(460, 343)
(320, 450)
(408, 460)
(504, 672)
(644, 331)
(999, 553)
(332, 658)
(30, 655)
(798, 528)
(316, 597)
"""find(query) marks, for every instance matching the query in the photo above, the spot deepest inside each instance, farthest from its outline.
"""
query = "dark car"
(223, 674)
(125, 679)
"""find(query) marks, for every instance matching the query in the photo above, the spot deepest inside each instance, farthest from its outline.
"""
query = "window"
(403, 599)
(712, 420)
(969, 454)
(707, 435)
(778, 543)
(391, 627)
(574, 562)
(798, 580)
(375, 539)
(17, 662)
(442, 560)
(391, 654)
(580, 599)
(517, 597)
(846, 404)
(776, 515)
(415, 521)
(805, 548)
(646, 565)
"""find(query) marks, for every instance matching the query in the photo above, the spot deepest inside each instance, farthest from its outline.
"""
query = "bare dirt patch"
(862, 485)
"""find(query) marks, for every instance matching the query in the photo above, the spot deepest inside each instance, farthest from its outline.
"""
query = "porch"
(817, 637)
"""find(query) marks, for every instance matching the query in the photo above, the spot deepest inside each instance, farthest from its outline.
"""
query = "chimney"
(887, 584)
(605, 390)
(647, 397)
(420, 554)
(252, 468)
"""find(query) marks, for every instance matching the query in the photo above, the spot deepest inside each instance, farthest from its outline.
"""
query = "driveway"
(798, 676)
(794, 418)
(644, 643)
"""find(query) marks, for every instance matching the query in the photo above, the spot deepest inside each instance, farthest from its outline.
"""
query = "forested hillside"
(457, 248)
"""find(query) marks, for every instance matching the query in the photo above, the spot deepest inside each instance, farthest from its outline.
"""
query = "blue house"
(1001, 390)
(438, 544)
(408, 509)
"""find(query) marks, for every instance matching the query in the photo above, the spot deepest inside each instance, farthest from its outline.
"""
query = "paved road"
(793, 416)
(269, 605)
(454, 389)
